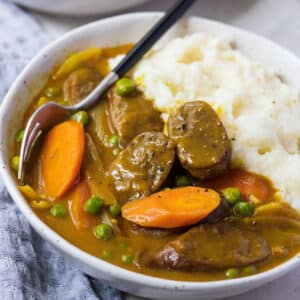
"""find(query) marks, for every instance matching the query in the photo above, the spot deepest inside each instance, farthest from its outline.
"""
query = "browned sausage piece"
(130, 229)
(132, 115)
(79, 84)
(203, 147)
(209, 247)
(142, 167)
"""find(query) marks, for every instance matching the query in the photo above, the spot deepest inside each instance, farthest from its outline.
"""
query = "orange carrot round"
(172, 208)
(79, 195)
(62, 154)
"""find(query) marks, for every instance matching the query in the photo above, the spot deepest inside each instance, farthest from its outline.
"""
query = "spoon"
(52, 113)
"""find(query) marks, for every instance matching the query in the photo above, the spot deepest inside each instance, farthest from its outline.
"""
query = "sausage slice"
(142, 167)
(131, 115)
(79, 84)
(203, 147)
(209, 247)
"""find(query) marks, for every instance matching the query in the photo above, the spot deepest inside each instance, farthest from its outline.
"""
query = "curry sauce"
(273, 220)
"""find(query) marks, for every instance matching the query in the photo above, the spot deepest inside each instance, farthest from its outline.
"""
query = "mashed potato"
(260, 112)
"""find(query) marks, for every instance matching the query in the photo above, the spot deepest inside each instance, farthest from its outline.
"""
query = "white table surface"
(278, 20)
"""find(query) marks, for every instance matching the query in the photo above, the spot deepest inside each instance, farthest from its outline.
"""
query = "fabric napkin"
(30, 268)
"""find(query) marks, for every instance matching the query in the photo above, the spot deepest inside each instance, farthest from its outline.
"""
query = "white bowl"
(112, 31)
(78, 7)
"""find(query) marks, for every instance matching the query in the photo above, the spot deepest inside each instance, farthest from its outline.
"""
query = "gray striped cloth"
(30, 268)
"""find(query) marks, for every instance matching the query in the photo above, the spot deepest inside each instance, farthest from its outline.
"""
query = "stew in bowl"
(152, 187)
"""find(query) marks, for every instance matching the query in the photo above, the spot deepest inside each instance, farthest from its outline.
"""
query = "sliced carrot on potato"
(248, 183)
(78, 196)
(61, 156)
(172, 208)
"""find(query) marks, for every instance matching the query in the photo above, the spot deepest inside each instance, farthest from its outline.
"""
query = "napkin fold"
(30, 268)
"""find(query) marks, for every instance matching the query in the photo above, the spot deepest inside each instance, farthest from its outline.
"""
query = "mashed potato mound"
(259, 111)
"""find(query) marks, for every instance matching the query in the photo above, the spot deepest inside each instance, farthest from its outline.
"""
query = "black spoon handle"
(155, 33)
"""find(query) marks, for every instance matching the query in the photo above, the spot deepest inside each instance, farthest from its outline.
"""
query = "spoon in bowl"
(52, 113)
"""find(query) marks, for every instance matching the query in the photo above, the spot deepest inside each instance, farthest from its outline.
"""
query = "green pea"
(53, 91)
(127, 258)
(232, 273)
(103, 232)
(93, 205)
(114, 210)
(14, 163)
(232, 195)
(106, 254)
(59, 211)
(244, 209)
(116, 151)
(20, 135)
(81, 117)
(114, 140)
(247, 271)
(125, 87)
(182, 181)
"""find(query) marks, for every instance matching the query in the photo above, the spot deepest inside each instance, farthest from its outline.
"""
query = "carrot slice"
(79, 195)
(248, 183)
(62, 154)
(172, 208)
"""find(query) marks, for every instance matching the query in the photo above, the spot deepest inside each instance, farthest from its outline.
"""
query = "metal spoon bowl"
(51, 114)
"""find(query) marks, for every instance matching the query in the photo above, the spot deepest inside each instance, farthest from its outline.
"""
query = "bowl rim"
(83, 257)
(40, 6)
